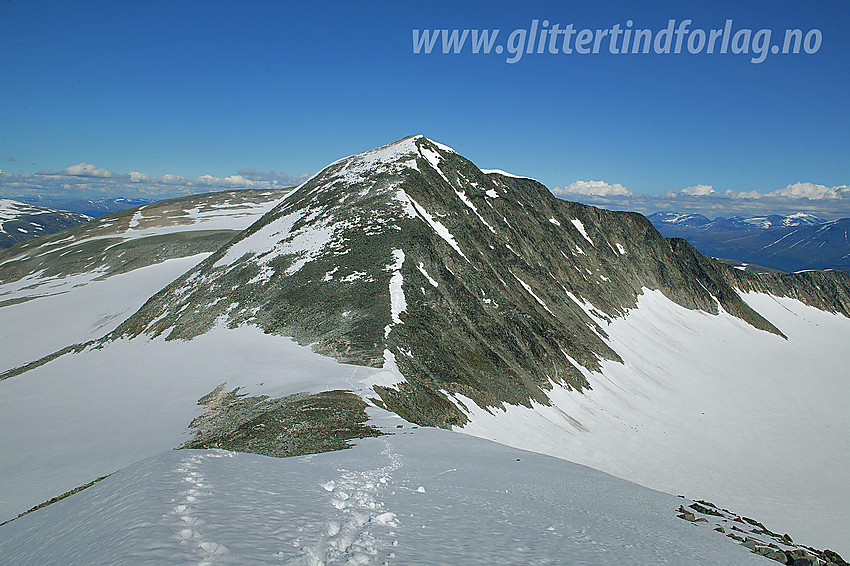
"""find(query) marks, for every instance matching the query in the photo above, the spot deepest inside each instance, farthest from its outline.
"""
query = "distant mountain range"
(93, 208)
(786, 243)
(20, 221)
(125, 241)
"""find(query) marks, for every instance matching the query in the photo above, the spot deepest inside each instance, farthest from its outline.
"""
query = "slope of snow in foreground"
(709, 407)
(85, 415)
(417, 497)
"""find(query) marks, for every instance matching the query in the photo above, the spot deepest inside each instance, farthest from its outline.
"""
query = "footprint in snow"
(360, 524)
(188, 532)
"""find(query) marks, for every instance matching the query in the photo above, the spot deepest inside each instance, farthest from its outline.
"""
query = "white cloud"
(698, 190)
(209, 180)
(597, 188)
(87, 170)
(821, 200)
(88, 181)
(170, 179)
(254, 175)
(136, 177)
(812, 191)
(747, 195)
(234, 181)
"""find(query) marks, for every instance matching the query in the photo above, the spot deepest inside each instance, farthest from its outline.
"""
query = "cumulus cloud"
(87, 170)
(170, 179)
(827, 202)
(597, 188)
(234, 181)
(751, 195)
(85, 180)
(799, 190)
(137, 177)
(812, 191)
(698, 190)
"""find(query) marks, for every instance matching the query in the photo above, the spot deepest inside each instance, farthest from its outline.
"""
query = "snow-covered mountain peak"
(10, 209)
(680, 218)
(400, 151)
(469, 252)
(390, 158)
(777, 220)
(478, 301)
(802, 219)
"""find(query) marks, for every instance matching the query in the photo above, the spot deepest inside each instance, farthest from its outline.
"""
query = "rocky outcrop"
(289, 426)
(756, 537)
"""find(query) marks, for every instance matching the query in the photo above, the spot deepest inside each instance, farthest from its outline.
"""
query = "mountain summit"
(463, 282)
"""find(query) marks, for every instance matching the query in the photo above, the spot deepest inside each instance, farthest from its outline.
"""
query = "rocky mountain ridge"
(483, 285)
(126, 240)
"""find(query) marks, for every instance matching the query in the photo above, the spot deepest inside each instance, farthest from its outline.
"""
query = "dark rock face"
(834, 558)
(474, 284)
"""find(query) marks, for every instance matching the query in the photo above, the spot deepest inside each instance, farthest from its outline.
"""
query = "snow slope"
(417, 497)
(89, 414)
(40, 313)
(12, 209)
(212, 211)
(75, 309)
(705, 406)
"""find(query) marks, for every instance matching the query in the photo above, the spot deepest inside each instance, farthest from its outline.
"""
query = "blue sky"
(193, 88)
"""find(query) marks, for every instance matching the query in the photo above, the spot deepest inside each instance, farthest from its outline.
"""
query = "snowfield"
(419, 496)
(505, 173)
(718, 425)
(709, 407)
(89, 414)
(79, 308)
(44, 314)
